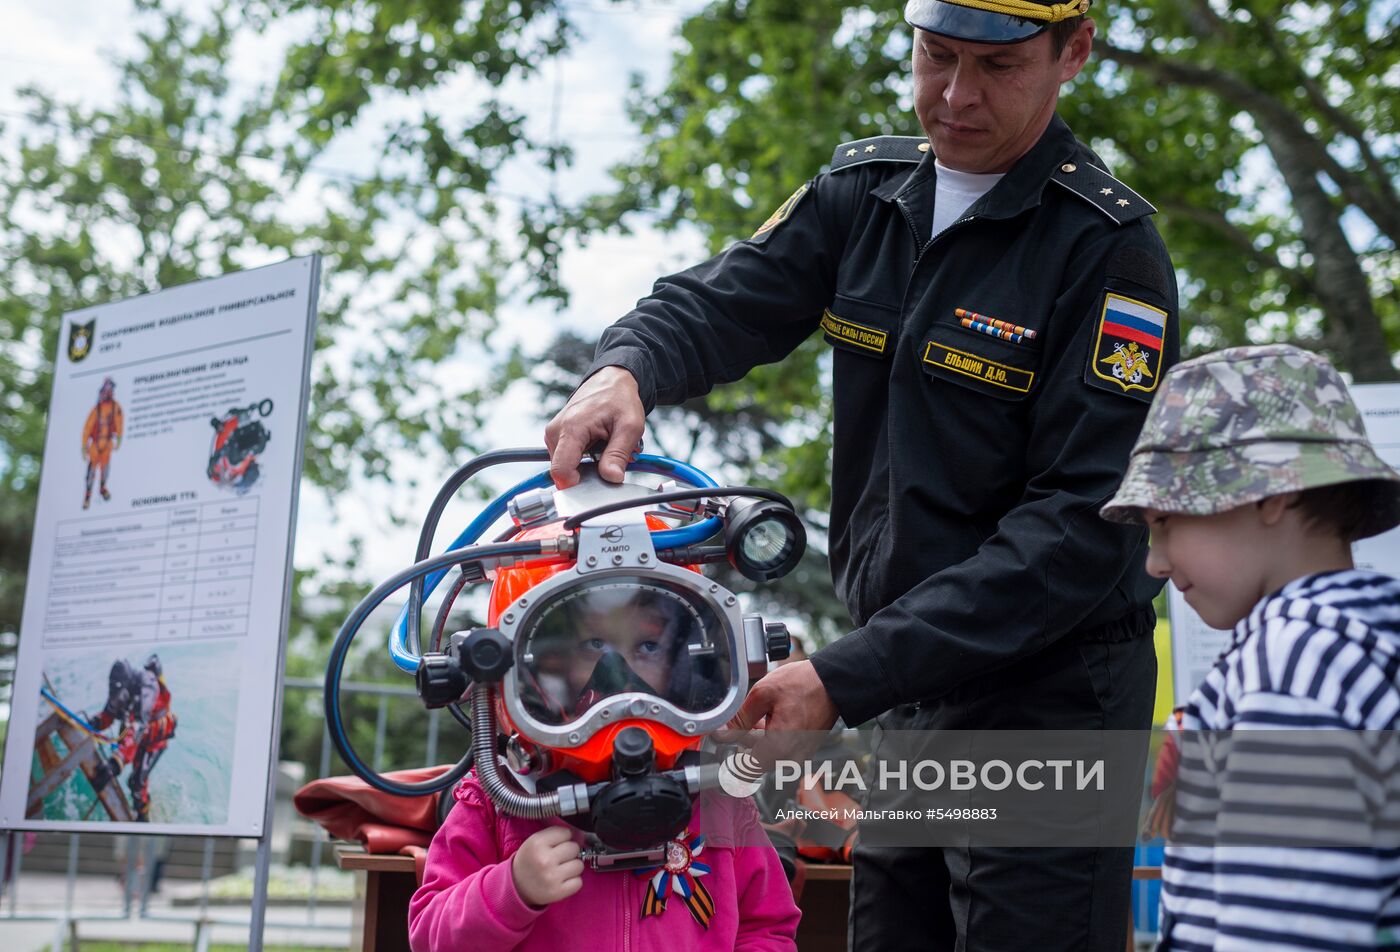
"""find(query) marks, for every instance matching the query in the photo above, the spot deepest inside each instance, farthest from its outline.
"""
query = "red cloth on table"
(350, 809)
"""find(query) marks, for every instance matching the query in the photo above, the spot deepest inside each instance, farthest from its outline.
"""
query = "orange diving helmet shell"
(592, 759)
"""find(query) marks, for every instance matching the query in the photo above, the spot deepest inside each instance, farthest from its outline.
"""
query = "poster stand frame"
(65, 923)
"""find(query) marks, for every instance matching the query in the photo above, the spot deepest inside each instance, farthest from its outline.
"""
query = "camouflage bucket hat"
(1245, 423)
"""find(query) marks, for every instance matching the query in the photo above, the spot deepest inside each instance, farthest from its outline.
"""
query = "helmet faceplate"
(636, 643)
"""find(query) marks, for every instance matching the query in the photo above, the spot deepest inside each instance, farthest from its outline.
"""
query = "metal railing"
(140, 863)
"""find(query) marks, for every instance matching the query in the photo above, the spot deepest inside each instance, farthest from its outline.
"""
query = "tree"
(1264, 131)
(1191, 94)
(448, 159)
(1266, 141)
(773, 433)
(181, 178)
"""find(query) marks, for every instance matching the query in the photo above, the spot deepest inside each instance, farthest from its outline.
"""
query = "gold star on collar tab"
(879, 149)
(1100, 189)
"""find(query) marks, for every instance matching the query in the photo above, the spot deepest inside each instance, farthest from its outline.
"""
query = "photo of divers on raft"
(145, 739)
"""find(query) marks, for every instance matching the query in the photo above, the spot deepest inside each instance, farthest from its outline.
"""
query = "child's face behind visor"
(642, 634)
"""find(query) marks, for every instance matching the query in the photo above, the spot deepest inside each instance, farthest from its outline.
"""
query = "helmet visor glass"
(621, 635)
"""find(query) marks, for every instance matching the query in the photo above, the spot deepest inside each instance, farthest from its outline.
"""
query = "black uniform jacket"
(970, 461)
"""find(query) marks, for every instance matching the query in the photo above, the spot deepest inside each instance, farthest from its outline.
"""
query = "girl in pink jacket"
(498, 883)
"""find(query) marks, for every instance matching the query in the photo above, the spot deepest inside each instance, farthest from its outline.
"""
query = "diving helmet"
(607, 662)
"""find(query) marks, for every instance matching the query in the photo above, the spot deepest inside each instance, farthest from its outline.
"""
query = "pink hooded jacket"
(468, 899)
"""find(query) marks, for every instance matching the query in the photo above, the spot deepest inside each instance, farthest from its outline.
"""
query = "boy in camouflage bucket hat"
(1254, 474)
(1246, 423)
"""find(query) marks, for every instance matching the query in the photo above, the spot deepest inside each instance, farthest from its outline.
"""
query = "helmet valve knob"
(633, 752)
(440, 679)
(779, 643)
(483, 653)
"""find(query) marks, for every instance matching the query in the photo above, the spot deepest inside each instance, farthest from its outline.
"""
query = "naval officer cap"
(989, 21)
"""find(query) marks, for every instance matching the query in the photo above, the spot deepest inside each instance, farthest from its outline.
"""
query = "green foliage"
(101, 204)
(182, 178)
(1201, 112)
(1255, 129)
(1203, 115)
(761, 95)
(185, 176)
(443, 162)
(1259, 128)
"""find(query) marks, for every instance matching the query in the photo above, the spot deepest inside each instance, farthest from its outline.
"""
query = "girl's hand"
(547, 867)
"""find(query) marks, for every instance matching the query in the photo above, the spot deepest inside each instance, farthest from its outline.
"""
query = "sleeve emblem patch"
(783, 211)
(1127, 351)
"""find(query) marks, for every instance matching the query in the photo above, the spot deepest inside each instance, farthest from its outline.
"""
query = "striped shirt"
(1302, 827)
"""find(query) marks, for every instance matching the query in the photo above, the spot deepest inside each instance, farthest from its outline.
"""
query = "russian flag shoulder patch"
(1127, 353)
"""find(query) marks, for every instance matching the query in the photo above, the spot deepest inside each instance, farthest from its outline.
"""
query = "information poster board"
(1195, 645)
(148, 678)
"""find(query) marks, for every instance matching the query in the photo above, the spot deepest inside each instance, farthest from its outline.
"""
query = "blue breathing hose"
(407, 661)
(76, 719)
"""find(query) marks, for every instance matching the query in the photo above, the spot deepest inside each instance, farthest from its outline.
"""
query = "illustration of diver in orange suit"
(102, 433)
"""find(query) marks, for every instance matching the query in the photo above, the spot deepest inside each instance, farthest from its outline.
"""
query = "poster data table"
(171, 573)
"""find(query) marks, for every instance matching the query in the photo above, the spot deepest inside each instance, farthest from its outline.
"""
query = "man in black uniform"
(1001, 310)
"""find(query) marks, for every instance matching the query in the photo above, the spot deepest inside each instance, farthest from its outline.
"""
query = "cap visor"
(965, 23)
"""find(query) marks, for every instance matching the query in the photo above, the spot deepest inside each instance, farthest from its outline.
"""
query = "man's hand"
(792, 706)
(608, 409)
(547, 867)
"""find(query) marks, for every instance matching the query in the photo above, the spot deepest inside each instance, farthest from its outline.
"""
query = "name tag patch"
(862, 336)
(951, 360)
